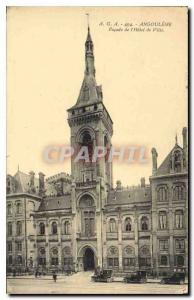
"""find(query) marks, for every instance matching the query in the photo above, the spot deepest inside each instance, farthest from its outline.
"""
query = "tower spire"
(89, 55)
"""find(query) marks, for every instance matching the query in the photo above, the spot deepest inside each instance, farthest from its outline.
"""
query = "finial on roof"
(88, 19)
(18, 167)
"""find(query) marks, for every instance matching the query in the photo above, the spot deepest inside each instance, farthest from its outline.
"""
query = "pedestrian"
(54, 276)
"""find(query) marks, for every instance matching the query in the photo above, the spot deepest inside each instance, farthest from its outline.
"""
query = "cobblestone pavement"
(80, 283)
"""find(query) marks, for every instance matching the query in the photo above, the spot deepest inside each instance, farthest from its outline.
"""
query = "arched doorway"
(88, 259)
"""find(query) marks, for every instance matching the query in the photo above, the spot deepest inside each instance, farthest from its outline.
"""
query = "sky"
(143, 77)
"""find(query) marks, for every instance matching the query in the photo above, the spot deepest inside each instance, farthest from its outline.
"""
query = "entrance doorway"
(88, 259)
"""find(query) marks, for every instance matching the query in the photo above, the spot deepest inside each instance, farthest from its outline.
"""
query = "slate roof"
(129, 196)
(55, 203)
(22, 182)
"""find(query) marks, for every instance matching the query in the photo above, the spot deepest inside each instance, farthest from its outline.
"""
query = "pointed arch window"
(128, 226)
(144, 223)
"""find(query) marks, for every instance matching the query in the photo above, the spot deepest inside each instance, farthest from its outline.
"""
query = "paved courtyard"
(80, 283)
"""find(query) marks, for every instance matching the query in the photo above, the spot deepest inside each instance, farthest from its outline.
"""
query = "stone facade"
(80, 221)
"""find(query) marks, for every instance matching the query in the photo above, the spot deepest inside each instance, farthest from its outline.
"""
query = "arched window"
(42, 257)
(9, 209)
(54, 257)
(113, 257)
(42, 228)
(9, 229)
(163, 260)
(87, 142)
(128, 257)
(54, 228)
(144, 256)
(179, 219)
(162, 220)
(128, 224)
(18, 208)
(162, 193)
(112, 225)
(67, 227)
(144, 223)
(179, 192)
(19, 260)
(67, 258)
(180, 261)
(19, 228)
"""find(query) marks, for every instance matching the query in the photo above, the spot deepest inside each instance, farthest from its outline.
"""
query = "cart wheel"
(162, 281)
(181, 281)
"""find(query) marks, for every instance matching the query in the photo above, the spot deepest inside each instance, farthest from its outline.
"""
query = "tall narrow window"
(67, 227)
(144, 223)
(179, 192)
(9, 209)
(54, 228)
(128, 224)
(162, 194)
(18, 208)
(162, 220)
(179, 219)
(19, 228)
(9, 229)
(41, 228)
(112, 225)
(89, 221)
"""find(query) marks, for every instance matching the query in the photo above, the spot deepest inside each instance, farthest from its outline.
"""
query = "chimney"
(32, 188)
(41, 183)
(142, 182)
(154, 160)
(118, 183)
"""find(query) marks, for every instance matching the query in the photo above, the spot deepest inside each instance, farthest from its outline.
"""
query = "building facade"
(80, 221)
